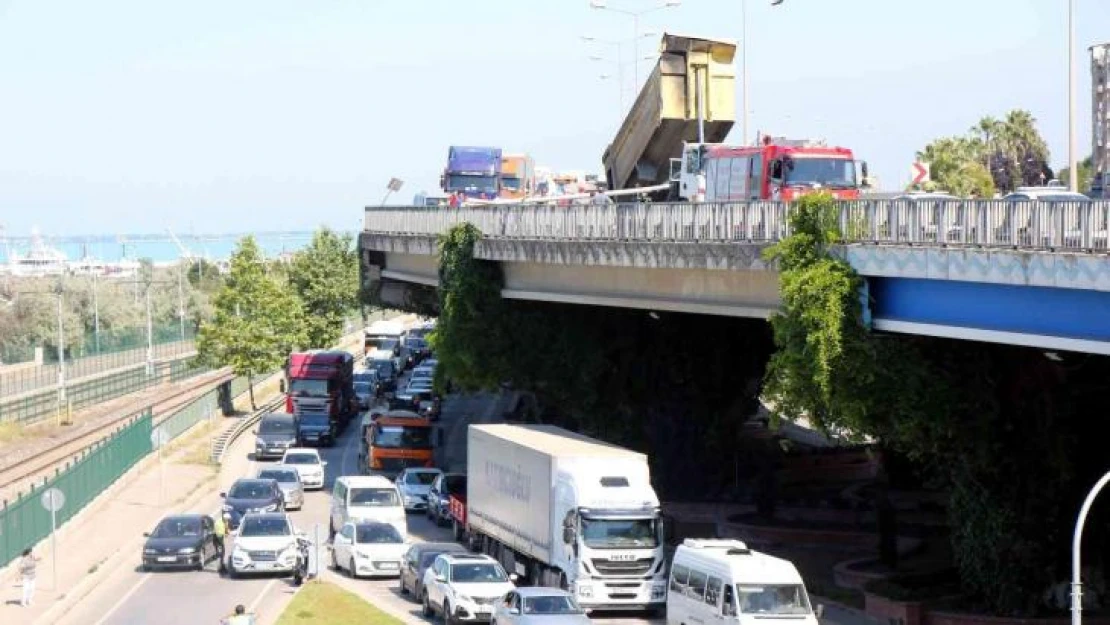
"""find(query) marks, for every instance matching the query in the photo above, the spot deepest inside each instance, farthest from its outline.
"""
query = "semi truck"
(564, 510)
(320, 391)
(475, 171)
(689, 97)
(777, 169)
(518, 176)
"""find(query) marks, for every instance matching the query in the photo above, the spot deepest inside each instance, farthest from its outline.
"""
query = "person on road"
(219, 532)
(240, 617)
(27, 568)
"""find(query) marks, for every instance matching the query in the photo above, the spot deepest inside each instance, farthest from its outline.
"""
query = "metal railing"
(1034, 225)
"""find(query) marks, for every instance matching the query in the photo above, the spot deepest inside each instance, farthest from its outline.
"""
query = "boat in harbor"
(39, 260)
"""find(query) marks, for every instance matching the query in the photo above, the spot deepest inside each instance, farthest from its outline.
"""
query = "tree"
(257, 319)
(324, 276)
(1086, 172)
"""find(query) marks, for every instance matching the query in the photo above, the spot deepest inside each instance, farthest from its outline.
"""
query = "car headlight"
(362, 555)
(270, 508)
(239, 554)
(187, 550)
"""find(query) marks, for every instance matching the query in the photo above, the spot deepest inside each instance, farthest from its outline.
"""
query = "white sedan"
(368, 549)
(308, 464)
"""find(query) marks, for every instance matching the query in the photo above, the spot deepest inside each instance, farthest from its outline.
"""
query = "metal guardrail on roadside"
(224, 441)
(1035, 225)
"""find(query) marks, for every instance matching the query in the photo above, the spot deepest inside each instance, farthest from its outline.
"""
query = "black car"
(252, 495)
(316, 429)
(180, 541)
(417, 559)
(277, 431)
(440, 495)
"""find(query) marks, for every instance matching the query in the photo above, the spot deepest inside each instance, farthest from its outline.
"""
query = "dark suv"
(252, 495)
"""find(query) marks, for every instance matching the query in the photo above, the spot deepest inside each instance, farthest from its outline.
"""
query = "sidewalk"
(112, 526)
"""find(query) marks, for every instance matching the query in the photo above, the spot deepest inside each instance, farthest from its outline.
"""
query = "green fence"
(196, 411)
(24, 521)
(44, 404)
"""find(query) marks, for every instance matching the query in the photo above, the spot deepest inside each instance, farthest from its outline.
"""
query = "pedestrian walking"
(219, 532)
(27, 570)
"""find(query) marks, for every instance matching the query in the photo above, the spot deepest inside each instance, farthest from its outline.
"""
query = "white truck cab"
(726, 582)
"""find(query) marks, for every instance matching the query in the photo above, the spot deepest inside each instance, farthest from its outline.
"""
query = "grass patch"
(321, 603)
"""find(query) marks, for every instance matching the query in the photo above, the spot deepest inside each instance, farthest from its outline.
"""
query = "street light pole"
(1073, 172)
(635, 15)
(1076, 542)
(744, 68)
(181, 297)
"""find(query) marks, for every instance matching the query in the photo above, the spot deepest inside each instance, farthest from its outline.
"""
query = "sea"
(159, 248)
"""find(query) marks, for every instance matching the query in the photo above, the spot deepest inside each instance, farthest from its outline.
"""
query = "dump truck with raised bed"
(693, 85)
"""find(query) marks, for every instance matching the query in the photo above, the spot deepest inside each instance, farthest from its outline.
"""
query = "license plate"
(167, 559)
(483, 610)
(264, 565)
(389, 565)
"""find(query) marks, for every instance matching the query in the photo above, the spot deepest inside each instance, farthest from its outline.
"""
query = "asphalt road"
(132, 597)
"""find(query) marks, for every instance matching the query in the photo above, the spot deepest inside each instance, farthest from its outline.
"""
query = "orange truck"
(398, 440)
(518, 177)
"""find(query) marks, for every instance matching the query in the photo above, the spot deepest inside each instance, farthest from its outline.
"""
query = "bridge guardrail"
(1032, 225)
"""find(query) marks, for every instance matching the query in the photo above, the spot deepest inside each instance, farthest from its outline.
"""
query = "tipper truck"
(564, 510)
(689, 97)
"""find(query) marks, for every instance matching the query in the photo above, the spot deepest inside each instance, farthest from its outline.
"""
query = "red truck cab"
(321, 382)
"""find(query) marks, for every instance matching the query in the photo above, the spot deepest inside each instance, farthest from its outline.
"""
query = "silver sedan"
(289, 481)
(533, 606)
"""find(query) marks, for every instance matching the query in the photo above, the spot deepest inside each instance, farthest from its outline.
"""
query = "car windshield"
(265, 526)
(510, 183)
(772, 599)
(281, 475)
(422, 373)
(460, 182)
(276, 426)
(421, 478)
(827, 172)
(615, 533)
(301, 459)
(388, 344)
(402, 437)
(378, 533)
(250, 490)
(314, 388)
(376, 497)
(478, 573)
(415, 342)
(553, 604)
(314, 418)
(365, 387)
(177, 528)
(454, 484)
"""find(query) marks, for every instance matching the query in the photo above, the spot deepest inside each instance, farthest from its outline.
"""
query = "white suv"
(264, 543)
(308, 464)
(464, 587)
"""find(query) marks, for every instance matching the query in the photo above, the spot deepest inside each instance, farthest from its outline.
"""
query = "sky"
(133, 116)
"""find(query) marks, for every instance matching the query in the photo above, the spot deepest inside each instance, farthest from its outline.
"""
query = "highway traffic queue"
(548, 524)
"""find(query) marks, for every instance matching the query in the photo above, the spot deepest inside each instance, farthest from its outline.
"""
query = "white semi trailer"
(564, 510)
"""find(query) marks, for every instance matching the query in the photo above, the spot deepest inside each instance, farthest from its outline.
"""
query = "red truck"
(320, 392)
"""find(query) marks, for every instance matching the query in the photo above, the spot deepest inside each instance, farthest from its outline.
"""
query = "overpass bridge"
(1022, 273)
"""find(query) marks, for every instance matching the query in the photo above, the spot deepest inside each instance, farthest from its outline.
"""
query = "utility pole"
(61, 347)
(1073, 159)
(181, 297)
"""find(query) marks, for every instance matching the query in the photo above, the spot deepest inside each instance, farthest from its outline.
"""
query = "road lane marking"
(127, 595)
(265, 590)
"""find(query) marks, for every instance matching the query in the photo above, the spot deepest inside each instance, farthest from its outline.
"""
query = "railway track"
(41, 464)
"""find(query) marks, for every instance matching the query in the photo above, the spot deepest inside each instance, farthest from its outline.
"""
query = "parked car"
(289, 481)
(415, 484)
(264, 543)
(464, 587)
(248, 495)
(180, 540)
(277, 431)
(368, 549)
(533, 606)
(308, 465)
(416, 560)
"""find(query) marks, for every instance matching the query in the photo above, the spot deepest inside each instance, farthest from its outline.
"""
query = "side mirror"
(255, 432)
(281, 385)
(513, 577)
(323, 463)
(146, 534)
(441, 578)
(223, 495)
(568, 535)
(514, 610)
(863, 168)
(820, 611)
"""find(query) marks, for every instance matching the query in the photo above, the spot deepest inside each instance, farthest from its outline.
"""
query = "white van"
(366, 498)
(722, 581)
